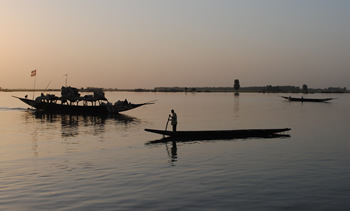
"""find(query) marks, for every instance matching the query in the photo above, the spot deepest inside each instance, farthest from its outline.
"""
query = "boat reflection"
(193, 139)
(73, 125)
(172, 149)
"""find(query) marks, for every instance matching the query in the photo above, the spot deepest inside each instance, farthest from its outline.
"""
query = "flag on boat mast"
(33, 73)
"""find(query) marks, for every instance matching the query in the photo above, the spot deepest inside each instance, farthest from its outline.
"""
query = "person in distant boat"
(173, 117)
(126, 102)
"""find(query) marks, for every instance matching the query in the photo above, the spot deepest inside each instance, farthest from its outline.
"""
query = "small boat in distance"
(95, 104)
(219, 134)
(302, 99)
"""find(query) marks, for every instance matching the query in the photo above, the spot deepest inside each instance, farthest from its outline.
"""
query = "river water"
(69, 162)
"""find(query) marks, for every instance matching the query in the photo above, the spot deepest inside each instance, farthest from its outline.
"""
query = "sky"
(186, 43)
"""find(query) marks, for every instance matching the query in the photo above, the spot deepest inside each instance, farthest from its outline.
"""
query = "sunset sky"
(186, 43)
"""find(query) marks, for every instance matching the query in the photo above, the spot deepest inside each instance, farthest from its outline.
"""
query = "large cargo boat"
(73, 103)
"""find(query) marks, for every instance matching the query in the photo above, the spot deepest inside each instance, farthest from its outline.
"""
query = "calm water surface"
(64, 162)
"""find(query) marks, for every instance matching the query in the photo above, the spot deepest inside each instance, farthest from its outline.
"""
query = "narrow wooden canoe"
(219, 134)
(307, 99)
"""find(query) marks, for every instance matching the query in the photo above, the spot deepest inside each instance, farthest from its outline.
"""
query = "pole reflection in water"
(172, 153)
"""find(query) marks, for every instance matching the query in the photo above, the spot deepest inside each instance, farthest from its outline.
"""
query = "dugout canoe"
(219, 134)
(301, 99)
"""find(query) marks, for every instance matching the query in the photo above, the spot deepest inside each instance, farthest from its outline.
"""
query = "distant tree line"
(235, 88)
(334, 90)
(262, 89)
(281, 89)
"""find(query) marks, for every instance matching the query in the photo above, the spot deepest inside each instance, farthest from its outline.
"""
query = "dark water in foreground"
(64, 162)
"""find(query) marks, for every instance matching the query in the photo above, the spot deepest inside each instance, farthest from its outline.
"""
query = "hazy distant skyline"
(187, 43)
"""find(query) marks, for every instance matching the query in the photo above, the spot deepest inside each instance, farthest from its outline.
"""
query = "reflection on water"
(171, 143)
(203, 139)
(172, 152)
(236, 106)
(73, 125)
(65, 132)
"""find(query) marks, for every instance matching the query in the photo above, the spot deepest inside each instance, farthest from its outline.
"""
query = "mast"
(33, 74)
(66, 78)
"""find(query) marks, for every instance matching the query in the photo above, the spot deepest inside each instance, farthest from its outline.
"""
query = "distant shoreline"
(260, 89)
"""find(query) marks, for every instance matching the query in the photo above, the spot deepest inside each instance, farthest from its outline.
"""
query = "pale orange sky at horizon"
(186, 43)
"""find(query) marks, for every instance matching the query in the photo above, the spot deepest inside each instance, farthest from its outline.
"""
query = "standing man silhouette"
(173, 119)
